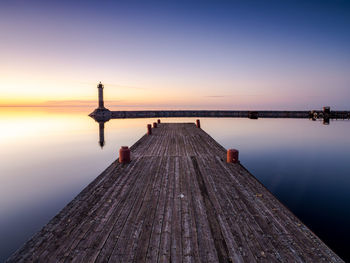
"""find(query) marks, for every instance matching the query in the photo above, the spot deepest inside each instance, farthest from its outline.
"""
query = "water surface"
(48, 156)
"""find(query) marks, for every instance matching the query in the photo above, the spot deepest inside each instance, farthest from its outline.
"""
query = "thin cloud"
(64, 103)
(115, 85)
(215, 96)
(76, 103)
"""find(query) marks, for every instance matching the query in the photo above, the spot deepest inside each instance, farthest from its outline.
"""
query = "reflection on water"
(101, 126)
(48, 157)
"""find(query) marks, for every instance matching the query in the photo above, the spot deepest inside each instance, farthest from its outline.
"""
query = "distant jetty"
(103, 114)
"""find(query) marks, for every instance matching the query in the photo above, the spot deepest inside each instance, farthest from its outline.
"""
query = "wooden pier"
(177, 201)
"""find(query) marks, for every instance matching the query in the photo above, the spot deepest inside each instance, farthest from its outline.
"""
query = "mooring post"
(198, 123)
(158, 120)
(326, 109)
(149, 129)
(154, 125)
(232, 156)
(124, 154)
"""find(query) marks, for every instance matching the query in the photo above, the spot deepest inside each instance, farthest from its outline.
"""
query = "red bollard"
(124, 154)
(154, 125)
(158, 120)
(232, 156)
(149, 129)
(198, 124)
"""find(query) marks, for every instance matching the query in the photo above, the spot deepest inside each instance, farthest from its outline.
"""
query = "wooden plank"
(176, 247)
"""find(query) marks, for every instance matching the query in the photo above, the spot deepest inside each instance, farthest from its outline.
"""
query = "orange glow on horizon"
(17, 90)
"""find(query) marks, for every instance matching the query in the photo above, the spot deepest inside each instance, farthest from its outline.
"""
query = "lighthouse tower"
(100, 113)
(100, 96)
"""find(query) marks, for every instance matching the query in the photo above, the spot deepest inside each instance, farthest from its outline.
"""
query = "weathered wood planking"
(179, 201)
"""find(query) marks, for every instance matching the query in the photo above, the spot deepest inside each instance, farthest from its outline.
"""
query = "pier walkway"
(177, 201)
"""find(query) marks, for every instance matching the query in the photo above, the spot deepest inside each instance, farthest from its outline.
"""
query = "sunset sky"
(176, 54)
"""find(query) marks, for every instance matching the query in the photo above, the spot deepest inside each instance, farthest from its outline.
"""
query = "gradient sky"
(179, 54)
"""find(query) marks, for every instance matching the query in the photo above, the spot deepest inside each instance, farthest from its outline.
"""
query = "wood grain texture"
(177, 201)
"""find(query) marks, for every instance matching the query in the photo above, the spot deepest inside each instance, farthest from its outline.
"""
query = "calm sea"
(48, 156)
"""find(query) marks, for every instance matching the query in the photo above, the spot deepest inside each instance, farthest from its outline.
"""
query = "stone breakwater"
(219, 114)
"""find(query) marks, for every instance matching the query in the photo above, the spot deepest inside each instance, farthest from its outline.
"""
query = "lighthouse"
(101, 113)
(100, 96)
